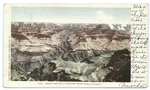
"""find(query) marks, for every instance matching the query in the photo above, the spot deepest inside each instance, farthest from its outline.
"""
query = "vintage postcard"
(75, 45)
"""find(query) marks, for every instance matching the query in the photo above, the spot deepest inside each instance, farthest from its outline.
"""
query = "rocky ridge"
(77, 53)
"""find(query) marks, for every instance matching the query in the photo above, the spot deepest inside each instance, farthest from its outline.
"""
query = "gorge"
(69, 52)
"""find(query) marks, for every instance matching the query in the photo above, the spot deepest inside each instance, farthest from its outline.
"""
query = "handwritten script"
(139, 47)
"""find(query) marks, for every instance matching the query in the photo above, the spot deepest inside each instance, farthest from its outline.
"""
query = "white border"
(61, 5)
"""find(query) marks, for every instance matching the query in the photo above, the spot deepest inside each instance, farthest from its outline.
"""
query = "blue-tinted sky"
(71, 14)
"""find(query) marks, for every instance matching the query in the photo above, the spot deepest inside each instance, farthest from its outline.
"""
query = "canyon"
(69, 52)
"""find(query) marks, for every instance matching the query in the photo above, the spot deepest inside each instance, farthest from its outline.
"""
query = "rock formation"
(68, 52)
(120, 67)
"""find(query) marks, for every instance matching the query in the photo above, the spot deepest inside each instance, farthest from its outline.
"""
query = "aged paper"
(75, 45)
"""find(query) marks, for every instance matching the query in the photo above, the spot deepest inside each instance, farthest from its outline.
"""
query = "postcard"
(75, 45)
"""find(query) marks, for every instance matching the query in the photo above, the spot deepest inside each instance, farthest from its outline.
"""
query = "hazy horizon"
(71, 15)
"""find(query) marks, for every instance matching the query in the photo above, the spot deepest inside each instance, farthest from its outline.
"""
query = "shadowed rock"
(87, 60)
(119, 65)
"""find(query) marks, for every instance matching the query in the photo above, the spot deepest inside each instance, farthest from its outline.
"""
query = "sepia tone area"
(44, 51)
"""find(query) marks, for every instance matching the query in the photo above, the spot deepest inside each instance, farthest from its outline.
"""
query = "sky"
(71, 15)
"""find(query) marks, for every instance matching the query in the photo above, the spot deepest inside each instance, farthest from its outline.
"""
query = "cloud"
(65, 20)
(102, 17)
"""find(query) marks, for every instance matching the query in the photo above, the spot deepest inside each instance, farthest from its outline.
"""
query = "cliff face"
(119, 65)
(66, 52)
(102, 39)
